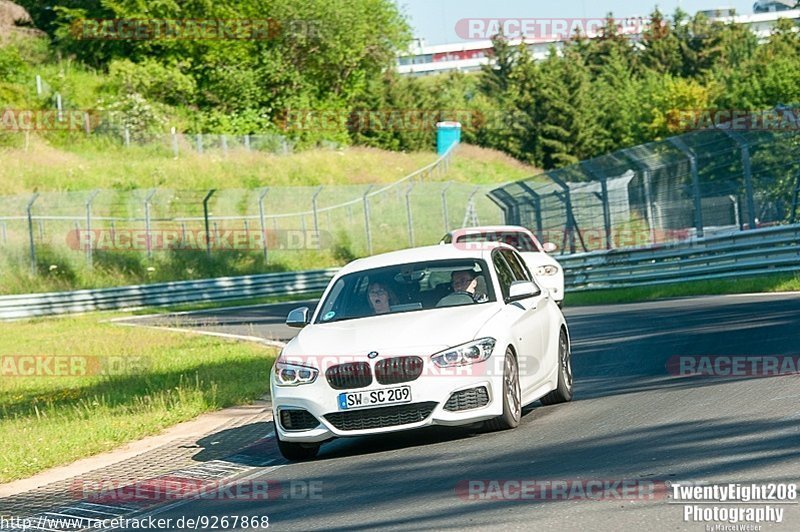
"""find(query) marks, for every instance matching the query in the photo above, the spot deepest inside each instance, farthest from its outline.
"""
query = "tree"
(568, 117)
(661, 48)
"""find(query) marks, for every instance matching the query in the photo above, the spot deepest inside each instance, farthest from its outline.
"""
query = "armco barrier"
(746, 253)
(164, 294)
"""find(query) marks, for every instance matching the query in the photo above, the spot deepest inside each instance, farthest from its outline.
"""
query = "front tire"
(512, 396)
(296, 452)
(563, 392)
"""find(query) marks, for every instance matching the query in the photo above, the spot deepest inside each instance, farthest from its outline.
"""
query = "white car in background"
(546, 269)
(393, 346)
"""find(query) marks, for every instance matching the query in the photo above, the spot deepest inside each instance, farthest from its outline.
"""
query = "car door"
(527, 319)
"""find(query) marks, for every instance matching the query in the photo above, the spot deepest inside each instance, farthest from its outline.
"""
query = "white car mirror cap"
(522, 290)
(298, 318)
(549, 247)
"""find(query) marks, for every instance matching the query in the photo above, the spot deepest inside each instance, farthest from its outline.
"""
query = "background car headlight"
(546, 271)
(469, 353)
(294, 374)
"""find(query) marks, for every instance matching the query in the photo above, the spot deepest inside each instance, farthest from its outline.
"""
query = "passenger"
(381, 298)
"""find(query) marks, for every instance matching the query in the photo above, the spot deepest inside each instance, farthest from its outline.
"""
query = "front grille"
(349, 376)
(468, 399)
(387, 416)
(298, 420)
(397, 370)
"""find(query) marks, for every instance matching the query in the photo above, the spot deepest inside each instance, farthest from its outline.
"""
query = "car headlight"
(469, 353)
(546, 271)
(294, 374)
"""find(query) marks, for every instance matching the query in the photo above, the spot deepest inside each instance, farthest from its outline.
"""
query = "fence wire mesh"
(701, 183)
(288, 226)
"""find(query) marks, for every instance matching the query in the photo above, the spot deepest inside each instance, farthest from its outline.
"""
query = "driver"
(467, 281)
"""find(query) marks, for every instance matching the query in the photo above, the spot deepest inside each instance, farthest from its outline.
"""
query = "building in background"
(469, 56)
(770, 6)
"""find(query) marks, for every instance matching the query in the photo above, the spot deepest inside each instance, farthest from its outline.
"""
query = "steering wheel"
(456, 299)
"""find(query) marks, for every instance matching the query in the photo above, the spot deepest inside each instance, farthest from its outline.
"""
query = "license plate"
(387, 396)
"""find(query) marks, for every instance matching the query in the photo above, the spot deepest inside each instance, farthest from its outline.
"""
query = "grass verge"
(765, 283)
(123, 384)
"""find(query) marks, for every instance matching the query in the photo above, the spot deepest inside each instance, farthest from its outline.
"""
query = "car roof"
(421, 254)
(494, 228)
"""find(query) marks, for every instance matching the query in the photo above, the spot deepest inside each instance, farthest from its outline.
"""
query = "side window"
(518, 268)
(504, 273)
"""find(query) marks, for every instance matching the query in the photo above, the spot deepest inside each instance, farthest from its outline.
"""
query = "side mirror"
(522, 290)
(298, 318)
(549, 247)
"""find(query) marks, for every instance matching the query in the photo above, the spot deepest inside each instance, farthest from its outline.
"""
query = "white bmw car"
(427, 336)
(545, 268)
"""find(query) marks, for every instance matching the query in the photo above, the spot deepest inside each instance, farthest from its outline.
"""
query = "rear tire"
(512, 396)
(563, 392)
(296, 452)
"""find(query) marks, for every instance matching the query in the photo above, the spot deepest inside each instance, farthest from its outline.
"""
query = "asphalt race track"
(632, 420)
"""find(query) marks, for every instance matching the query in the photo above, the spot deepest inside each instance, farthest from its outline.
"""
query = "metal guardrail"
(746, 253)
(165, 294)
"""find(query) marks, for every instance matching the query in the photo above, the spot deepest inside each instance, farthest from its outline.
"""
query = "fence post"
(409, 217)
(127, 137)
(30, 232)
(86, 123)
(314, 210)
(38, 85)
(174, 142)
(247, 142)
(147, 240)
(603, 196)
(89, 200)
(748, 175)
(261, 219)
(224, 141)
(198, 139)
(445, 214)
(365, 199)
(698, 202)
(59, 107)
(205, 217)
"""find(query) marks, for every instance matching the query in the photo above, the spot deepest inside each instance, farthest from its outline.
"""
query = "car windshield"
(517, 240)
(407, 288)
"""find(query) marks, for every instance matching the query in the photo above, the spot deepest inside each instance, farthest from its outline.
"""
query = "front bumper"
(429, 396)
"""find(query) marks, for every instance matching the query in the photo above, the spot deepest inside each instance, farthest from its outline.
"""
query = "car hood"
(409, 333)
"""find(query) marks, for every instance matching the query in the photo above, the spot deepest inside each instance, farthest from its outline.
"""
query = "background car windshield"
(406, 288)
(517, 240)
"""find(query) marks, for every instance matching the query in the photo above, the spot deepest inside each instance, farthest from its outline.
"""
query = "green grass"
(47, 421)
(744, 285)
(87, 164)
